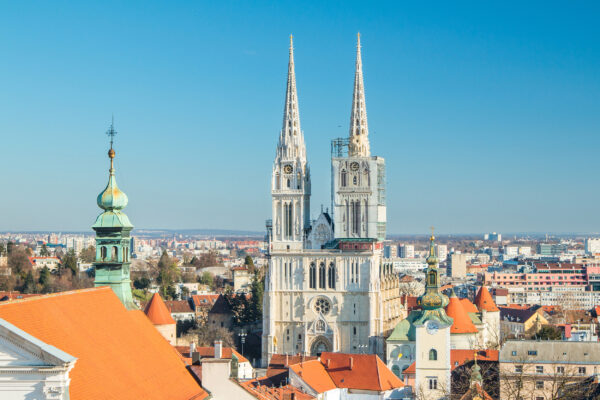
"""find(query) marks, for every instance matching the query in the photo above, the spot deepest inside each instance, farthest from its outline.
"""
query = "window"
(514, 353)
(103, 253)
(299, 336)
(433, 355)
(322, 276)
(539, 384)
(344, 178)
(354, 330)
(322, 306)
(539, 369)
(313, 276)
(518, 369)
(560, 370)
(354, 180)
(432, 383)
(532, 353)
(114, 253)
(331, 276)
(396, 370)
(581, 370)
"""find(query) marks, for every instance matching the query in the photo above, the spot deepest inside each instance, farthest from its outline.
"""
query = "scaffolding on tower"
(339, 147)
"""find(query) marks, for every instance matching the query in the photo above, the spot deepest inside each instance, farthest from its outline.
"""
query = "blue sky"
(488, 114)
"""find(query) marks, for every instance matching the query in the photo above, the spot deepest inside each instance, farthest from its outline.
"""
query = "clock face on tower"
(288, 169)
(432, 327)
(354, 166)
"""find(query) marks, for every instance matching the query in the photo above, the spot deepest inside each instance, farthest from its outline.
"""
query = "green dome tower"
(113, 240)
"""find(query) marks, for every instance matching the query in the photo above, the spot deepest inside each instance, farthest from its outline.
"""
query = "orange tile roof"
(484, 300)
(368, 372)
(462, 322)
(468, 306)
(460, 357)
(279, 363)
(157, 311)
(315, 376)
(120, 355)
(209, 352)
(264, 389)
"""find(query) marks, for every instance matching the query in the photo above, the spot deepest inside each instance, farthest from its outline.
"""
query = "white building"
(323, 289)
(406, 251)
(442, 252)
(30, 368)
(592, 246)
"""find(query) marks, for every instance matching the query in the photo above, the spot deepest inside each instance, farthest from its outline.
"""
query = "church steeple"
(113, 241)
(433, 301)
(290, 181)
(291, 139)
(359, 128)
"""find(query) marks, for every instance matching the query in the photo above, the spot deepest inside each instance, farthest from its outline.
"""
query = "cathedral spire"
(291, 139)
(359, 129)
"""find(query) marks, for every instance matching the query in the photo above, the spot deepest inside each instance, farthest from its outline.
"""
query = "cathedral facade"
(326, 288)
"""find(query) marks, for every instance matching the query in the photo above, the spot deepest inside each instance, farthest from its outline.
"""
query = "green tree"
(257, 290)
(44, 278)
(206, 278)
(44, 252)
(142, 282)
(549, 332)
(9, 247)
(88, 255)
(69, 262)
(168, 276)
(28, 283)
(249, 262)
(2, 249)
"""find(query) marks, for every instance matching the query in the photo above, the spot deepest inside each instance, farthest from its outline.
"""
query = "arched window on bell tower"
(114, 253)
(322, 276)
(331, 276)
(312, 278)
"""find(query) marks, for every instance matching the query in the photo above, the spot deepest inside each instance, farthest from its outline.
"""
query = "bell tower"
(358, 179)
(290, 181)
(113, 240)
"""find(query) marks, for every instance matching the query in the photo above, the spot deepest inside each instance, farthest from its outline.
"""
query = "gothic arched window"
(354, 180)
(313, 276)
(103, 253)
(322, 276)
(114, 253)
(344, 178)
(433, 355)
(288, 183)
(331, 276)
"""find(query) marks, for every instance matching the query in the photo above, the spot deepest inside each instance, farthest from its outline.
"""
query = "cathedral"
(326, 289)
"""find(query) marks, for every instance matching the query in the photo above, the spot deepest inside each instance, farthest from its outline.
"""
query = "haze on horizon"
(487, 114)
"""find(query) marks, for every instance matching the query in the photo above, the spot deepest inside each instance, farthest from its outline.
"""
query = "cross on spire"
(111, 132)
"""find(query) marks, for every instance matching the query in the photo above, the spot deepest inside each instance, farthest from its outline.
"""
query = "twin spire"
(359, 129)
(291, 138)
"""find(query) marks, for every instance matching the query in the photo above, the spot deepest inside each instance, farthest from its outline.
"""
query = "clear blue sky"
(488, 114)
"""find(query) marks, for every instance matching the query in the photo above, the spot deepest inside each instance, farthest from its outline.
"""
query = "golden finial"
(432, 229)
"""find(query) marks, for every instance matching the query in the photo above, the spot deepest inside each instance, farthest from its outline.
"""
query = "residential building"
(442, 252)
(242, 279)
(406, 251)
(458, 265)
(52, 263)
(540, 369)
(520, 322)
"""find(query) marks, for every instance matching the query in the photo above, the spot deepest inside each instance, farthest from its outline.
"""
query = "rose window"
(322, 306)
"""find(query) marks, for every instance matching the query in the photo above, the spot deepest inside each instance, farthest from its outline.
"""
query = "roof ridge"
(41, 296)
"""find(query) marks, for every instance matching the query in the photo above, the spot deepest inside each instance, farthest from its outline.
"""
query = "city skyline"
(198, 130)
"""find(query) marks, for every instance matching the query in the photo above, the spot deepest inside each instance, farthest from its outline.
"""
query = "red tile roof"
(484, 300)
(179, 306)
(120, 355)
(315, 375)
(360, 371)
(462, 322)
(157, 311)
(204, 300)
(264, 389)
(468, 306)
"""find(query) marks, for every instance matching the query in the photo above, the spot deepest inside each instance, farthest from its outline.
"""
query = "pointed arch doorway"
(319, 345)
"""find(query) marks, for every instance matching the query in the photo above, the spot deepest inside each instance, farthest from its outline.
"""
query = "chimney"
(194, 355)
(351, 363)
(218, 349)
(328, 363)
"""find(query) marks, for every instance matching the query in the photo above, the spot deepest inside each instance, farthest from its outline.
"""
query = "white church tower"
(290, 182)
(358, 179)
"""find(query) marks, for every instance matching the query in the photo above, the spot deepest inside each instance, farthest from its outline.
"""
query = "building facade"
(326, 288)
